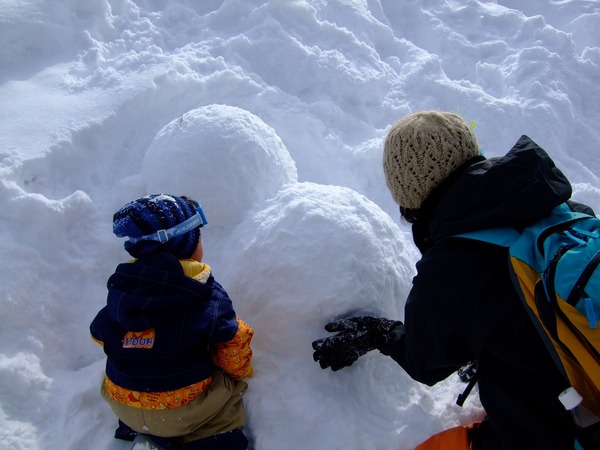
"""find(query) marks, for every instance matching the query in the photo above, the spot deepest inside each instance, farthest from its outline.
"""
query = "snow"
(272, 114)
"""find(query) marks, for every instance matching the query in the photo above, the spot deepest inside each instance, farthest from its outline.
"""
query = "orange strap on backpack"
(456, 438)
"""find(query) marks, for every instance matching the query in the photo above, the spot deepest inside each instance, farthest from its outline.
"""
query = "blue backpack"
(554, 267)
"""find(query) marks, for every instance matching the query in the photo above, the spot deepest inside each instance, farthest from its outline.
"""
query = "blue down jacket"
(184, 315)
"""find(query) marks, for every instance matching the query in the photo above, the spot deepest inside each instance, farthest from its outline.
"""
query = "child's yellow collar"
(199, 271)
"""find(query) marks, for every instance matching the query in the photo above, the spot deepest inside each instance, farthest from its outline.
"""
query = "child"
(175, 349)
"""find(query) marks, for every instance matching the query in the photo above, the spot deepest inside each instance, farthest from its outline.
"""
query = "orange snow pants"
(456, 438)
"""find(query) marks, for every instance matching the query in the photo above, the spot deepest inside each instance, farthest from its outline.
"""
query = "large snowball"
(312, 254)
(223, 156)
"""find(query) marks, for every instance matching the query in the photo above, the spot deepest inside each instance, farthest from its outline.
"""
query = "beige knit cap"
(421, 150)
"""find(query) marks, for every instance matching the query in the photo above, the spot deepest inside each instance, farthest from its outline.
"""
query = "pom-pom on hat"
(160, 223)
(421, 150)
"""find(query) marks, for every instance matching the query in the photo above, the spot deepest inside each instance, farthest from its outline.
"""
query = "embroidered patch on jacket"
(139, 339)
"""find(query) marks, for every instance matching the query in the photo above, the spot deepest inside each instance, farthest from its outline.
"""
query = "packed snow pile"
(272, 114)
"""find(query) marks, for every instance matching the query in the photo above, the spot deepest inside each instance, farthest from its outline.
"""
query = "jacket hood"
(513, 190)
(152, 291)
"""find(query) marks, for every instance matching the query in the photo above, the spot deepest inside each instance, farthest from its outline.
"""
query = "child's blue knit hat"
(160, 223)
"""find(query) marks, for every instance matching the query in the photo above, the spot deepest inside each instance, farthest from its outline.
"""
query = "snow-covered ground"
(273, 115)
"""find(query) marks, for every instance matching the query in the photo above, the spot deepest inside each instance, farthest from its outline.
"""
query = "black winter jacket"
(463, 305)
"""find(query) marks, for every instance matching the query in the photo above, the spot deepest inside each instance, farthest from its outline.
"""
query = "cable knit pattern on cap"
(421, 150)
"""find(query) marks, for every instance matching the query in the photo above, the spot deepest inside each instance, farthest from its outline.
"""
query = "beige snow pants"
(218, 409)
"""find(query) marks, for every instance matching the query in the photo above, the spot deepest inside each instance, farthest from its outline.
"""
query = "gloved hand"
(356, 336)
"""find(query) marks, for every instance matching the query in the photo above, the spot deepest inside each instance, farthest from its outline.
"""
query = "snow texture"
(271, 113)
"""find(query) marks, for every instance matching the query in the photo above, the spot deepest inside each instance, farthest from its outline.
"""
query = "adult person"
(463, 305)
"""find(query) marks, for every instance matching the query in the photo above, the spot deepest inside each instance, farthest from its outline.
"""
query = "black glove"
(356, 336)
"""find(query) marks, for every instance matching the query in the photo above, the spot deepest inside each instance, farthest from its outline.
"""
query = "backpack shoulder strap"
(502, 236)
(508, 236)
